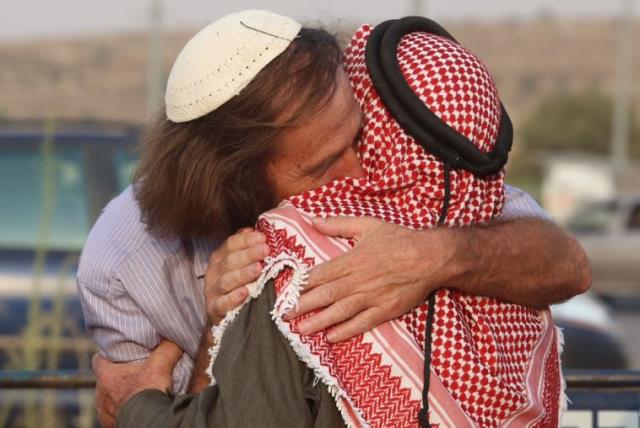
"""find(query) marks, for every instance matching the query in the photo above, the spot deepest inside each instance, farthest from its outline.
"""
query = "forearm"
(199, 378)
(526, 261)
(153, 408)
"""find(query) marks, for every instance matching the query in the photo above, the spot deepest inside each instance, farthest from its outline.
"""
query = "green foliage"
(575, 122)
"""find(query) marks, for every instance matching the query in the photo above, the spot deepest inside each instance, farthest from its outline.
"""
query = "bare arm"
(531, 262)
(391, 269)
(525, 260)
(118, 382)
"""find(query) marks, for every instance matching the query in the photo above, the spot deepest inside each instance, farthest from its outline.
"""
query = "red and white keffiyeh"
(492, 363)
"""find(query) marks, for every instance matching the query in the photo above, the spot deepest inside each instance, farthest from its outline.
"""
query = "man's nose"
(352, 165)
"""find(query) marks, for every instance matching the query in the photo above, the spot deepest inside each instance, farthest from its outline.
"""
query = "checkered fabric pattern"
(481, 347)
(404, 184)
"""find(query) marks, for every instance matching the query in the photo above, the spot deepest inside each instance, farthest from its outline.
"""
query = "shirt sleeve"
(154, 408)
(260, 382)
(519, 204)
(122, 330)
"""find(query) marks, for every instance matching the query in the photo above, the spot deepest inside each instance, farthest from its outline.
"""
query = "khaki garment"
(260, 383)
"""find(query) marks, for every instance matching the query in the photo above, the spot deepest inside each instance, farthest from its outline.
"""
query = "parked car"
(591, 340)
(609, 231)
(54, 181)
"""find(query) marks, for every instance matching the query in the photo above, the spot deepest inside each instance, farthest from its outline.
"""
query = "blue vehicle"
(54, 181)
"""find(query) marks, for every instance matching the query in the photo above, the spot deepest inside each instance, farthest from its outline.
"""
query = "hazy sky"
(21, 19)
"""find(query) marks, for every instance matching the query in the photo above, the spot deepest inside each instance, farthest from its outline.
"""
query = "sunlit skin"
(320, 150)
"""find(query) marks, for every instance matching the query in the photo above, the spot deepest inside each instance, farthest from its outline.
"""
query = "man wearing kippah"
(258, 109)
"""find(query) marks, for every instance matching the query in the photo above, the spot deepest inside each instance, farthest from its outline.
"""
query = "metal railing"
(599, 398)
(602, 399)
(603, 380)
(58, 379)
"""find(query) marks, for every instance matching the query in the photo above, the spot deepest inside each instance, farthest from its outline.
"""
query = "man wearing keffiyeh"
(488, 363)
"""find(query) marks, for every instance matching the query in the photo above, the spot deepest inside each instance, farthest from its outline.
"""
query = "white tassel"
(287, 300)
(273, 266)
(321, 372)
(564, 399)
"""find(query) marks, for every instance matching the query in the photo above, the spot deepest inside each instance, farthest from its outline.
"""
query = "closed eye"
(322, 167)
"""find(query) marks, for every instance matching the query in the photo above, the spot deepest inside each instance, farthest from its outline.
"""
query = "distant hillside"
(105, 77)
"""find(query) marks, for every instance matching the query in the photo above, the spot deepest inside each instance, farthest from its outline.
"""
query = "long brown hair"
(206, 178)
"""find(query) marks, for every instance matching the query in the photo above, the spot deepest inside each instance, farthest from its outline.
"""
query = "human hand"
(390, 270)
(231, 267)
(118, 382)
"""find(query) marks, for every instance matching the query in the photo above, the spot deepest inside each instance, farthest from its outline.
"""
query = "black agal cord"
(414, 116)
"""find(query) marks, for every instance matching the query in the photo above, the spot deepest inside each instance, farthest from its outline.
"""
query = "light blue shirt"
(136, 289)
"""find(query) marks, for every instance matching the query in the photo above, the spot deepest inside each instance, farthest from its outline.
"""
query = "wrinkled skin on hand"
(384, 276)
(233, 265)
(118, 382)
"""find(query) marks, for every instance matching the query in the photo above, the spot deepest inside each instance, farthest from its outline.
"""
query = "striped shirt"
(136, 289)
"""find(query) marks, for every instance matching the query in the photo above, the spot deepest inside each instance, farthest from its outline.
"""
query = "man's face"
(315, 153)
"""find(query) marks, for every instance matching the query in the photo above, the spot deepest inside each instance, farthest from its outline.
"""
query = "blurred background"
(78, 81)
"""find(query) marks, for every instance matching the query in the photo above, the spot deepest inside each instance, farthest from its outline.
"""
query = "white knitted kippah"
(222, 59)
